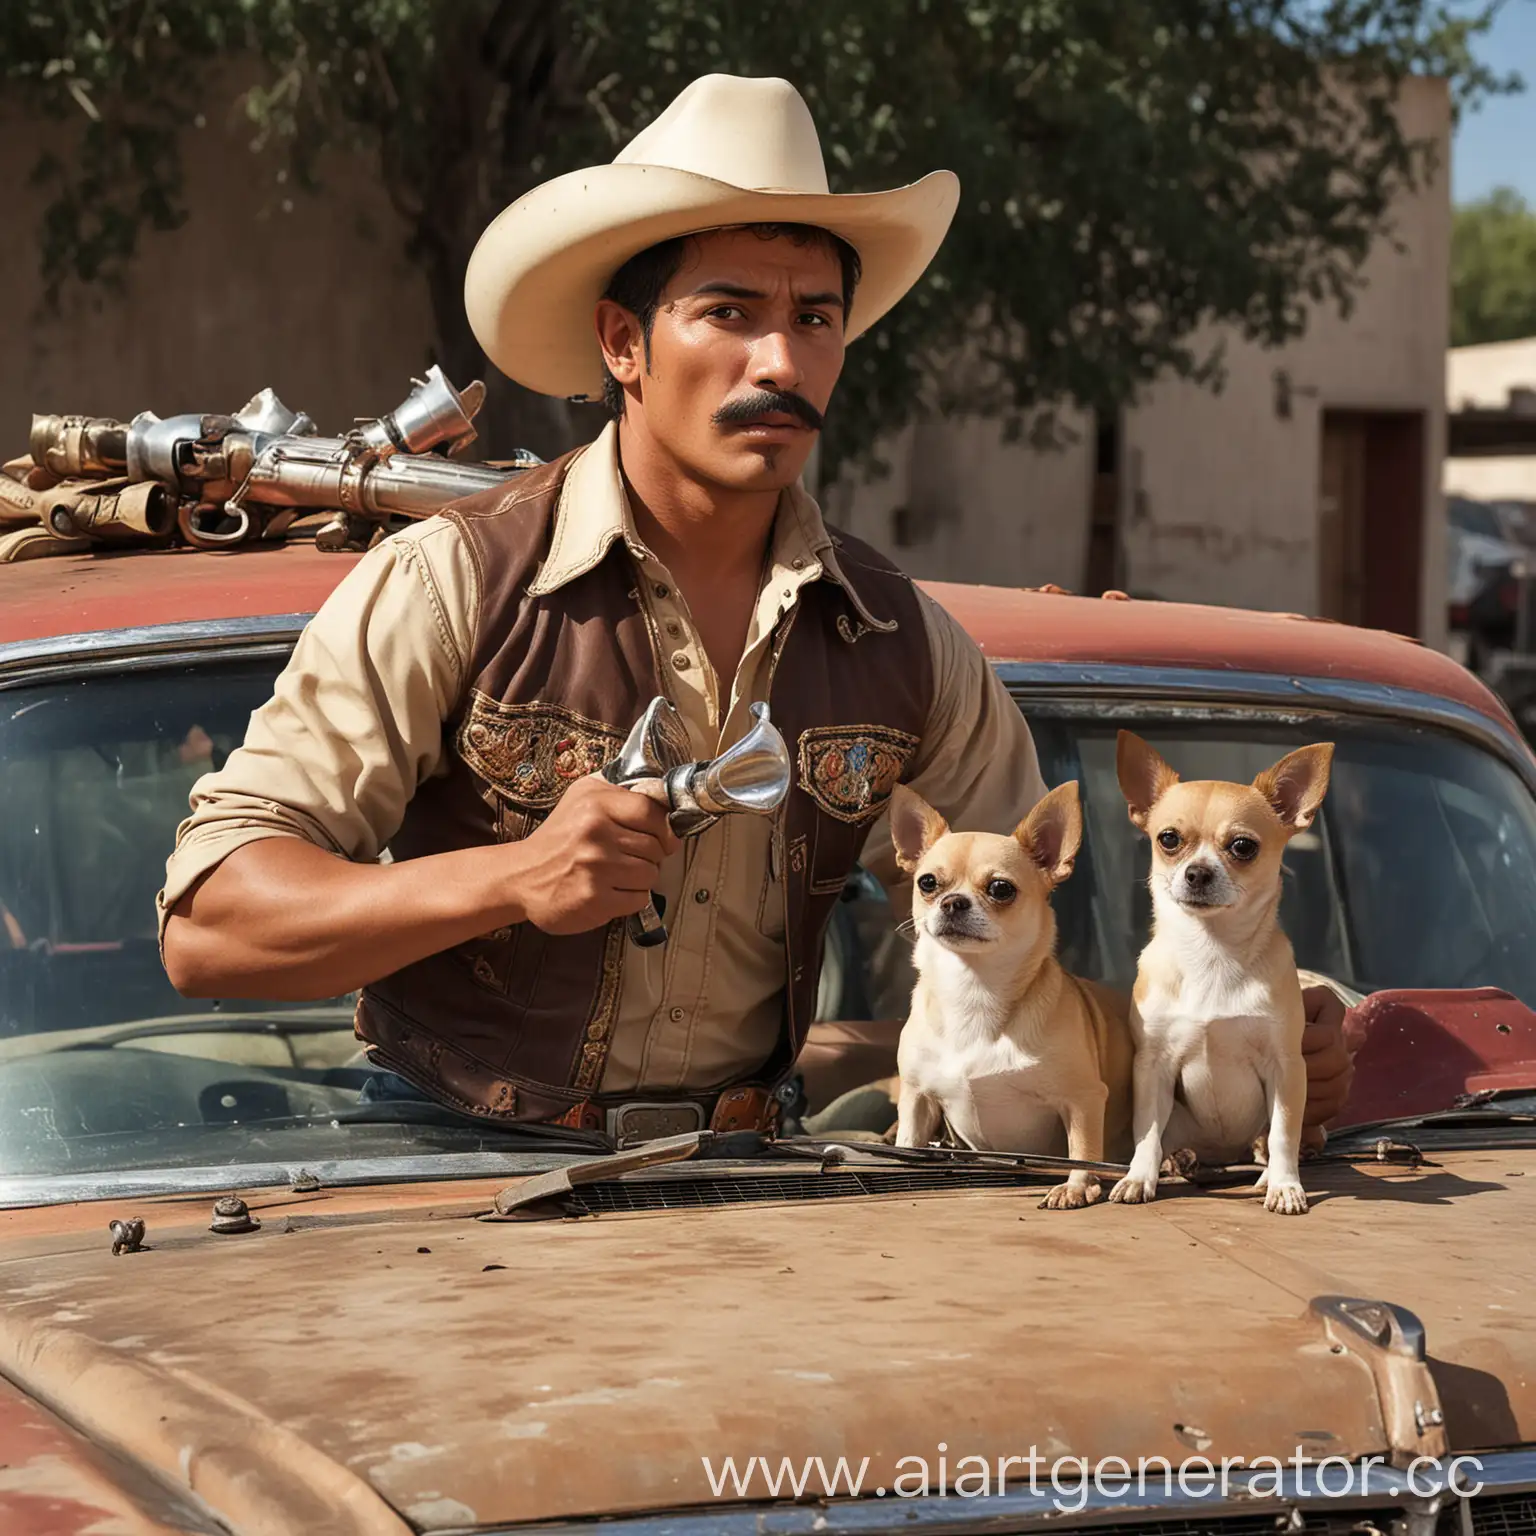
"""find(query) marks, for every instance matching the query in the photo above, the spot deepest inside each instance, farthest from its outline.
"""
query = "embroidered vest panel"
(516, 1024)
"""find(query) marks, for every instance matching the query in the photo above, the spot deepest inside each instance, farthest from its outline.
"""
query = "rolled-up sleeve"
(977, 764)
(355, 721)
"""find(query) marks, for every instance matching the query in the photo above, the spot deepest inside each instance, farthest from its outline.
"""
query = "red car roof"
(40, 599)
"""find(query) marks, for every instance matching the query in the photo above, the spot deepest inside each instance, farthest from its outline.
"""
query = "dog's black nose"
(1198, 876)
(955, 902)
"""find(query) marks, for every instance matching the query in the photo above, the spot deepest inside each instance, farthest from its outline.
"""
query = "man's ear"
(1144, 777)
(1053, 832)
(1295, 786)
(623, 342)
(915, 826)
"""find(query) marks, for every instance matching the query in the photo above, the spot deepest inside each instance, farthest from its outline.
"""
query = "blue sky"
(1496, 146)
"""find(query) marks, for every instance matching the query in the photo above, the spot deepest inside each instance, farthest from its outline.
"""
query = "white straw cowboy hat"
(727, 151)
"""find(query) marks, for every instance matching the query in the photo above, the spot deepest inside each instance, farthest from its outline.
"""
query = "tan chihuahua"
(1000, 1039)
(1217, 1012)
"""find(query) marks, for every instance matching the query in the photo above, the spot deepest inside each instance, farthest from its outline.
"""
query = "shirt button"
(798, 563)
(701, 896)
(680, 661)
(677, 1015)
(661, 589)
(595, 1031)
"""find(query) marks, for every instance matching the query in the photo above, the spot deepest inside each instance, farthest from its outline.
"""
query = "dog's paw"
(1133, 1191)
(1072, 1197)
(1289, 1199)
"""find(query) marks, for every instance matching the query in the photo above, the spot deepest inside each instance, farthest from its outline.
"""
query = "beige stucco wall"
(1495, 376)
(1223, 495)
(977, 507)
(316, 302)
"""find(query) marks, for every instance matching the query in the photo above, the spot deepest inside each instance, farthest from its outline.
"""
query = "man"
(454, 696)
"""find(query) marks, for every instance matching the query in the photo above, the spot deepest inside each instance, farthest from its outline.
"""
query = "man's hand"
(596, 858)
(1329, 1059)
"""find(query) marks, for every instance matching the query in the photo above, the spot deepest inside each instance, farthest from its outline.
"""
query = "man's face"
(744, 317)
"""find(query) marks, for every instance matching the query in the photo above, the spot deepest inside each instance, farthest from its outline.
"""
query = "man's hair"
(639, 284)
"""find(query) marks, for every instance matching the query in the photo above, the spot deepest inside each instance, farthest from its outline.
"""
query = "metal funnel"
(753, 776)
(657, 743)
(433, 413)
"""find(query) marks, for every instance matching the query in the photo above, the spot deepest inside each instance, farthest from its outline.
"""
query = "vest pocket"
(528, 755)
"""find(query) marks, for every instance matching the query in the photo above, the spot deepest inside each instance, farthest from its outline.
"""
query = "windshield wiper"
(742, 1146)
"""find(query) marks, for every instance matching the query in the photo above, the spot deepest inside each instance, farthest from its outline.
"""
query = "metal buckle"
(643, 1120)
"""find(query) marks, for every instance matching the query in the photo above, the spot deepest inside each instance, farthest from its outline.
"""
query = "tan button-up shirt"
(355, 724)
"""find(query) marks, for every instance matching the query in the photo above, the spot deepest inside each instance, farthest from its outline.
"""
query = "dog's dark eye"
(1169, 841)
(1243, 848)
(927, 884)
(1001, 891)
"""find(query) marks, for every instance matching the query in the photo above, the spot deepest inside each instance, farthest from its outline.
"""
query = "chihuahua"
(1000, 1040)
(1217, 1012)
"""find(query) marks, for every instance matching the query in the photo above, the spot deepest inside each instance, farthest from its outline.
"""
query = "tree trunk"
(512, 417)
(508, 82)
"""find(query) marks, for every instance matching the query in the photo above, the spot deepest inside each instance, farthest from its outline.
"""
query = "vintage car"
(235, 1297)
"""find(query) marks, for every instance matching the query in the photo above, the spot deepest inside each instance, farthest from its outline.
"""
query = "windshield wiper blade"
(561, 1181)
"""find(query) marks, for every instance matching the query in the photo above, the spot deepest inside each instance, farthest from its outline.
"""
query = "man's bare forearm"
(283, 919)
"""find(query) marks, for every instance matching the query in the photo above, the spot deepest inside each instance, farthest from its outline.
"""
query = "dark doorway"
(1370, 535)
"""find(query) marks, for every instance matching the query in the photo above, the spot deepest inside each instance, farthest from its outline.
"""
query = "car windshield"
(1421, 872)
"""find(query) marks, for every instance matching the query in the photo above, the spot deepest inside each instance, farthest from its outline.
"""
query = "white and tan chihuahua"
(1217, 1012)
(1000, 1040)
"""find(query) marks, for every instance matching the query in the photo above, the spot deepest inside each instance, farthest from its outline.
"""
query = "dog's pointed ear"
(1295, 786)
(1144, 777)
(915, 827)
(1053, 832)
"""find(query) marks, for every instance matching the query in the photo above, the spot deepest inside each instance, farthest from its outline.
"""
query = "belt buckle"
(646, 1120)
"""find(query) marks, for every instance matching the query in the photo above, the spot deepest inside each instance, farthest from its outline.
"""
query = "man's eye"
(1002, 891)
(726, 312)
(927, 884)
(1243, 849)
(1169, 841)
(812, 319)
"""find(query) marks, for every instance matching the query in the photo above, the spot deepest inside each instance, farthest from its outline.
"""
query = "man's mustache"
(762, 401)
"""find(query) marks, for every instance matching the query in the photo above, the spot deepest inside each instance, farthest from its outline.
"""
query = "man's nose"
(956, 901)
(773, 363)
(1198, 876)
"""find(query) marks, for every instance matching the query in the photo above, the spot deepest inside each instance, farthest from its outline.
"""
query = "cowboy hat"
(727, 151)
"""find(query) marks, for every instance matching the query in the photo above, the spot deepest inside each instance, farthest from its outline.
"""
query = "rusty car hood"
(370, 1358)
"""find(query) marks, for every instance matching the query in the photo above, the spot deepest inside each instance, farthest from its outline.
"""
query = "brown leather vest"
(517, 1024)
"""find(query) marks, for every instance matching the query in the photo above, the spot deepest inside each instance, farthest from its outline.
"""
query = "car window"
(1420, 871)
(1474, 517)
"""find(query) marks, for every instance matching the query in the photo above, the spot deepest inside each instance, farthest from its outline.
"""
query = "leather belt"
(745, 1108)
